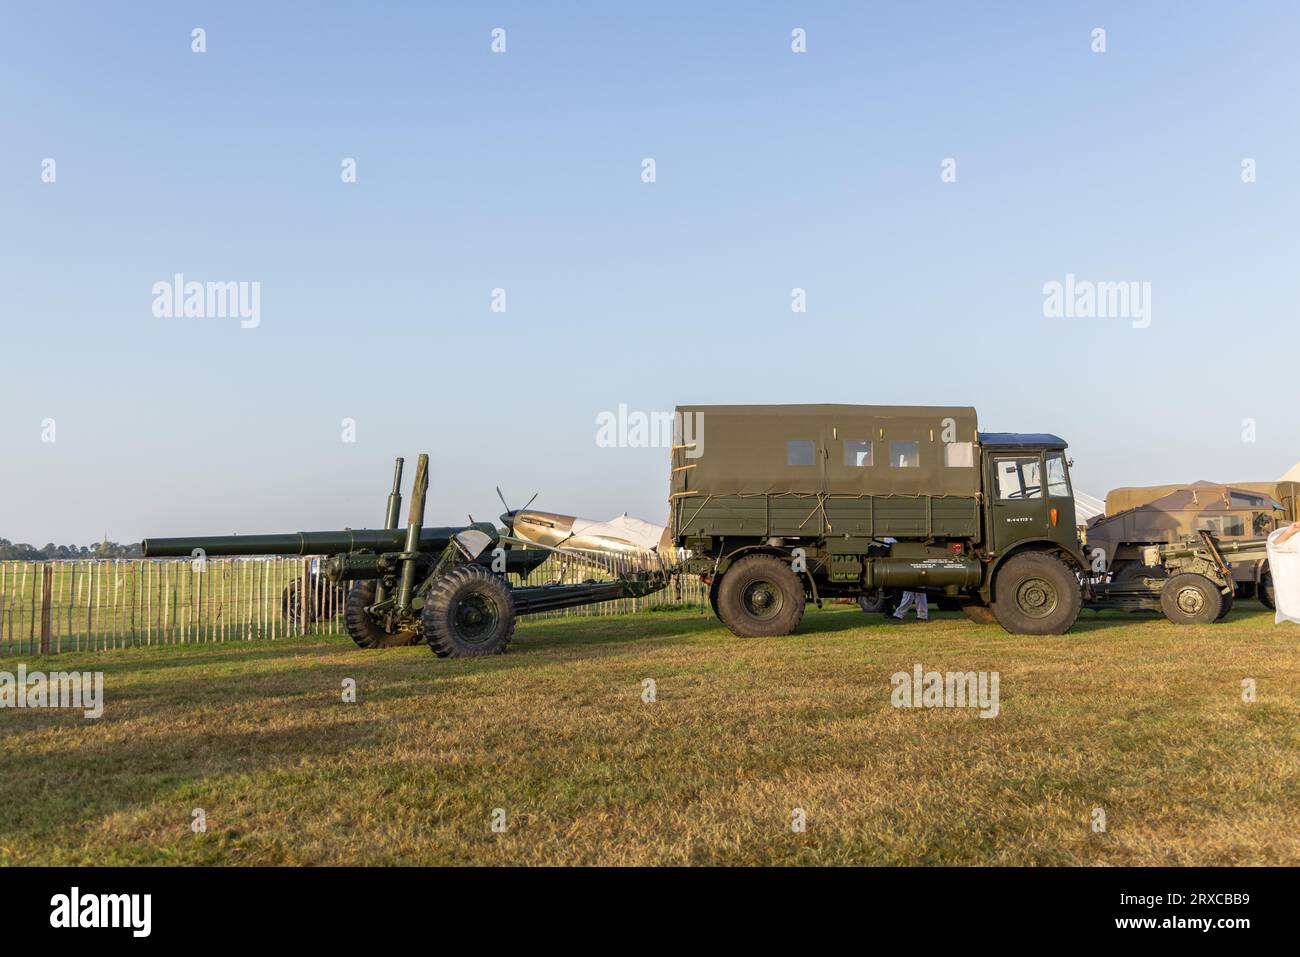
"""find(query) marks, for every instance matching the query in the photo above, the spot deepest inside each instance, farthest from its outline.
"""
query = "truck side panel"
(807, 516)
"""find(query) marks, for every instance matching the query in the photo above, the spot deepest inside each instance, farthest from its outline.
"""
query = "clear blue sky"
(522, 170)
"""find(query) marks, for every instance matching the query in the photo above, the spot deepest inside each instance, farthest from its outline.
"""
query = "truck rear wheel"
(1036, 594)
(760, 597)
(468, 612)
(1190, 599)
(363, 629)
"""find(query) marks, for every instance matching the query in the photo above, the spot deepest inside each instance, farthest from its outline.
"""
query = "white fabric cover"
(1284, 566)
(638, 532)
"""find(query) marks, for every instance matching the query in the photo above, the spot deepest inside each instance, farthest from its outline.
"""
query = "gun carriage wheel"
(1191, 599)
(363, 628)
(1227, 607)
(468, 612)
(322, 601)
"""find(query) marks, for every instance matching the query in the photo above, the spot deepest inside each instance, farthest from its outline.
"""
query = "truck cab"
(1028, 498)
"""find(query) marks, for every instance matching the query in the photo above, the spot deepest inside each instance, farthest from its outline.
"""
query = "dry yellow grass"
(1129, 714)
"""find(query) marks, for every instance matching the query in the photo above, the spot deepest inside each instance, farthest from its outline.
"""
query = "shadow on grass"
(162, 657)
(77, 790)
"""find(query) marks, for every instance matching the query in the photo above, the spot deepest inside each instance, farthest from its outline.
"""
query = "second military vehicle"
(1139, 517)
(776, 505)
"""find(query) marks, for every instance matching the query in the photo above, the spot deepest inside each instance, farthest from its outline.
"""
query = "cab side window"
(1019, 478)
(1058, 486)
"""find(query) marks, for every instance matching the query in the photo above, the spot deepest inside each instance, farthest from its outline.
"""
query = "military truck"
(1137, 518)
(778, 505)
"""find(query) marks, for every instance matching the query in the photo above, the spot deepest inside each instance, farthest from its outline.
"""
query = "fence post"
(47, 578)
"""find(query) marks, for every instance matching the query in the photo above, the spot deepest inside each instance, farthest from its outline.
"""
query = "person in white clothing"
(909, 598)
(913, 598)
(1284, 568)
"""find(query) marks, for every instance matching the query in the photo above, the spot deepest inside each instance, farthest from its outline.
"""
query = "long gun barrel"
(1241, 548)
(303, 543)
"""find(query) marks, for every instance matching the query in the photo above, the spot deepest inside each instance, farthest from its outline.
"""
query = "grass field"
(1131, 715)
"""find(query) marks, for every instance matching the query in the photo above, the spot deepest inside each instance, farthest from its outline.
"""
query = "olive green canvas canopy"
(1228, 511)
(825, 450)
(1204, 494)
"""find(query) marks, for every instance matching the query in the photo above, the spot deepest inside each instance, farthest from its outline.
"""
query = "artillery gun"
(1189, 581)
(1138, 518)
(443, 586)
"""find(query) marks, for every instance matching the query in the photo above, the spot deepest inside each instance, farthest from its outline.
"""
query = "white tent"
(1087, 507)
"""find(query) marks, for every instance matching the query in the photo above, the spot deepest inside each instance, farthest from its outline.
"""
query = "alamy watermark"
(632, 429)
(179, 299)
(953, 689)
(58, 689)
(75, 909)
(1084, 299)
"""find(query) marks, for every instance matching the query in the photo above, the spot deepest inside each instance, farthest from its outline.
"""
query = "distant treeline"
(51, 552)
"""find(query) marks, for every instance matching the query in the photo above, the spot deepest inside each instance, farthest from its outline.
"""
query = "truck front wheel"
(1037, 594)
(1190, 599)
(760, 597)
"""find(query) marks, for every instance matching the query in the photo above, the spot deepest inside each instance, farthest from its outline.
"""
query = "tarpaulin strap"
(821, 506)
(697, 512)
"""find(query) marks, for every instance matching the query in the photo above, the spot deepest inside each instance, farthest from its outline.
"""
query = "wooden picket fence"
(58, 606)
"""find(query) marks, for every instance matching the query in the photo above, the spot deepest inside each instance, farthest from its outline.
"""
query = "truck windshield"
(1057, 484)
